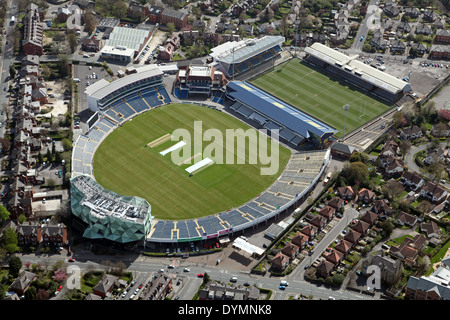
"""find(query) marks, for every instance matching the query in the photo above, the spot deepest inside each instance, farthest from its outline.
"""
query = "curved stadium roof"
(278, 111)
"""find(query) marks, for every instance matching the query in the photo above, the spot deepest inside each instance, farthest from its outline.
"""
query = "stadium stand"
(301, 174)
(356, 72)
(236, 57)
(295, 126)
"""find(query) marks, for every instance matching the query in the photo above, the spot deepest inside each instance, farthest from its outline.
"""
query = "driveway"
(411, 164)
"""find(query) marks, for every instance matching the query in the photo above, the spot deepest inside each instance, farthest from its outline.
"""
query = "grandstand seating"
(302, 169)
(253, 61)
(116, 114)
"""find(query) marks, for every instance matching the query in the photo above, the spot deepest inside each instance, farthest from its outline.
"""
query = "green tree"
(171, 27)
(387, 226)
(4, 213)
(15, 264)
(73, 40)
(10, 241)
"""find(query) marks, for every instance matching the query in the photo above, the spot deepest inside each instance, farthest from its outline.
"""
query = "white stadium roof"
(356, 67)
(238, 51)
(102, 88)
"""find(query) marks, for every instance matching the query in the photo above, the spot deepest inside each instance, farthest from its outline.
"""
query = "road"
(370, 21)
(6, 59)
(143, 268)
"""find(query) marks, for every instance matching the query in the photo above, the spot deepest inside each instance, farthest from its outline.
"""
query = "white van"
(76, 80)
(284, 283)
(233, 279)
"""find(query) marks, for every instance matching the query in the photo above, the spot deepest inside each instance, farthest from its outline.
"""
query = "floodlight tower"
(346, 107)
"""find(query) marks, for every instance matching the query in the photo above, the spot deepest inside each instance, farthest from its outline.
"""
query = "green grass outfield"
(321, 95)
(124, 164)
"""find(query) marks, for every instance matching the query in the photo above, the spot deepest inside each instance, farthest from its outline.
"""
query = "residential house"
(366, 195)
(395, 168)
(91, 45)
(369, 217)
(382, 208)
(54, 234)
(378, 42)
(280, 261)
(438, 23)
(442, 36)
(335, 257)
(216, 291)
(439, 51)
(390, 148)
(433, 287)
(300, 240)
(343, 246)
(319, 222)
(404, 27)
(390, 269)
(441, 130)
(412, 180)
(424, 29)
(430, 15)
(154, 14)
(406, 219)
(361, 227)
(352, 237)
(411, 12)
(22, 283)
(328, 213)
(408, 249)
(325, 268)
(33, 31)
(309, 231)
(106, 285)
(178, 18)
(29, 234)
(438, 154)
(159, 287)
(420, 48)
(62, 14)
(291, 250)
(136, 10)
(410, 133)
(336, 203)
(392, 10)
(433, 192)
(199, 24)
(431, 229)
(397, 46)
(346, 193)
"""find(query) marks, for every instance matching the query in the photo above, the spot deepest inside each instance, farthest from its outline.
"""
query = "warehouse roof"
(130, 38)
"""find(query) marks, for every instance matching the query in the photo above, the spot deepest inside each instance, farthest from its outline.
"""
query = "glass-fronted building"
(108, 215)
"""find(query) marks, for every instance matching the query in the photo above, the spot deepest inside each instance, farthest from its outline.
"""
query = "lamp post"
(297, 22)
(346, 107)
